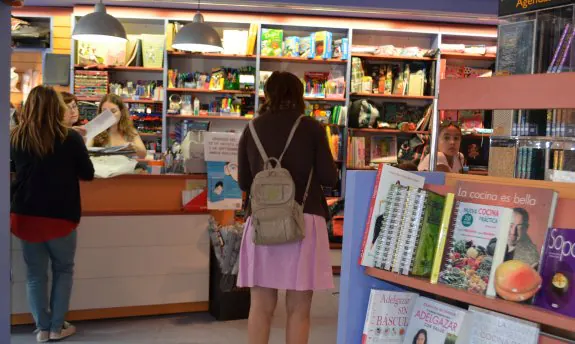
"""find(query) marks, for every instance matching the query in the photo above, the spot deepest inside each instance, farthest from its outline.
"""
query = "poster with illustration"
(220, 151)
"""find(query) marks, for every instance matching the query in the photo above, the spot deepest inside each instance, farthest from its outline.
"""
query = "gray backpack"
(276, 216)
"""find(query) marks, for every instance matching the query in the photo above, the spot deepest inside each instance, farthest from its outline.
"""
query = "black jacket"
(49, 186)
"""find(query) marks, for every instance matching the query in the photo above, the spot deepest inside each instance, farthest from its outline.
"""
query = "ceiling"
(461, 11)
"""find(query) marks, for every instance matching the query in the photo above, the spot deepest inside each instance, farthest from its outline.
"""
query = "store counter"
(138, 253)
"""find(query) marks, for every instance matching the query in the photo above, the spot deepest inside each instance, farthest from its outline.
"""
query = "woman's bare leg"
(263, 305)
(298, 306)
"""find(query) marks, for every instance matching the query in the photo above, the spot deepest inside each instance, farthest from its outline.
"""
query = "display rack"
(357, 281)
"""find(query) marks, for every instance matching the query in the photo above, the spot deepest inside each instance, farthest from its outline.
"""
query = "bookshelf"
(211, 55)
(210, 117)
(200, 90)
(518, 310)
(119, 68)
(462, 56)
(302, 60)
(391, 96)
(388, 131)
(393, 58)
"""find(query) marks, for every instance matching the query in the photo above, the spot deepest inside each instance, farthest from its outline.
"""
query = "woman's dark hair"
(218, 184)
(283, 91)
(69, 97)
(422, 331)
(447, 124)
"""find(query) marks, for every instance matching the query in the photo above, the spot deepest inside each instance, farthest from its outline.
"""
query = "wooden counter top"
(135, 194)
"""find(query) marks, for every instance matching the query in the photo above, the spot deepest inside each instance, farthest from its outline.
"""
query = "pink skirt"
(303, 265)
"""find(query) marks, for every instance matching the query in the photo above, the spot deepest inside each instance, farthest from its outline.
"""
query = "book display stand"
(357, 281)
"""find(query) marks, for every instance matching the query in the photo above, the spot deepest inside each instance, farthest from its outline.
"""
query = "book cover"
(558, 272)
(434, 322)
(487, 327)
(442, 238)
(408, 238)
(471, 253)
(431, 223)
(387, 227)
(533, 213)
(387, 316)
(386, 176)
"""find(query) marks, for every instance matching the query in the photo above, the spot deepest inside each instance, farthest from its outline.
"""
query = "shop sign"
(509, 7)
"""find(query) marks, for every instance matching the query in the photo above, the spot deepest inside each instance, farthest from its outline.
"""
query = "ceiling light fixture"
(99, 26)
(198, 36)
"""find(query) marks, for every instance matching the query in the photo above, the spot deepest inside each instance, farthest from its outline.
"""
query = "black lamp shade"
(198, 36)
(99, 26)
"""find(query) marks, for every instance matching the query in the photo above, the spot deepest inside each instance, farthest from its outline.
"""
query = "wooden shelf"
(515, 92)
(387, 131)
(367, 168)
(229, 118)
(335, 246)
(211, 56)
(125, 100)
(150, 135)
(199, 90)
(462, 56)
(328, 100)
(391, 96)
(478, 172)
(393, 58)
(119, 68)
(301, 60)
(527, 312)
(476, 136)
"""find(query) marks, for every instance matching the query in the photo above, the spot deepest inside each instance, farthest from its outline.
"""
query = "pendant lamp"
(198, 36)
(99, 26)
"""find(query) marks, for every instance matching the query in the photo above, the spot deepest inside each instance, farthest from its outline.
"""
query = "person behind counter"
(123, 132)
(300, 267)
(48, 160)
(449, 159)
(72, 116)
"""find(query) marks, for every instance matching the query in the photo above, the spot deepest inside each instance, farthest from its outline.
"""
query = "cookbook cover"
(558, 272)
(533, 212)
(434, 322)
(386, 176)
(387, 316)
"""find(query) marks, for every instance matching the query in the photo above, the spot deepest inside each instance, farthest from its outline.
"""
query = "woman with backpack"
(48, 159)
(284, 160)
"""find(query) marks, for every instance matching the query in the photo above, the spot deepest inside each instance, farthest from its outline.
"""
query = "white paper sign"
(99, 124)
(221, 146)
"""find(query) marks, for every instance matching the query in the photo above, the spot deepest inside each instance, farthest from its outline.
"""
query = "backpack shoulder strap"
(257, 141)
(290, 137)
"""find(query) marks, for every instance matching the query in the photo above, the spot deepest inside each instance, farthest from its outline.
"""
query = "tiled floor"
(194, 328)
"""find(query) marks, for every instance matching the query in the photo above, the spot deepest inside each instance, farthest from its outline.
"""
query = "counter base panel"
(131, 264)
(121, 312)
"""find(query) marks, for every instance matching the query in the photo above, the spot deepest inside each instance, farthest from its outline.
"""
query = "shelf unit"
(393, 58)
(391, 96)
(210, 117)
(119, 68)
(388, 131)
(462, 56)
(518, 310)
(379, 33)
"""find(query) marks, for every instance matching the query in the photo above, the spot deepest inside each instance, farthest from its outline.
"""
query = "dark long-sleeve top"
(309, 147)
(49, 187)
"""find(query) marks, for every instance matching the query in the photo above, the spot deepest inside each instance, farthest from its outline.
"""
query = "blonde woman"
(48, 160)
(123, 132)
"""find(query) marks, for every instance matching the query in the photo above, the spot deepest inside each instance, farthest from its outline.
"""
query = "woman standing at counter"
(48, 161)
(123, 132)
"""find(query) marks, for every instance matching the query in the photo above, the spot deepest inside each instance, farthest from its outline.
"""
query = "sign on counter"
(221, 154)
